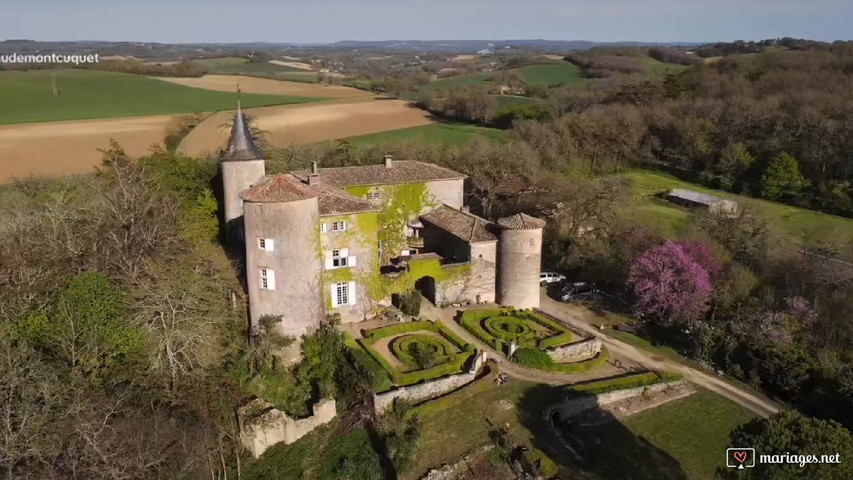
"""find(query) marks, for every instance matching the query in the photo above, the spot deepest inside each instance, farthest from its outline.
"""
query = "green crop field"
(671, 220)
(478, 78)
(444, 133)
(86, 94)
(562, 73)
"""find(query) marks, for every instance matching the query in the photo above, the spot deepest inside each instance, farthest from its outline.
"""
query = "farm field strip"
(89, 94)
(309, 123)
(254, 85)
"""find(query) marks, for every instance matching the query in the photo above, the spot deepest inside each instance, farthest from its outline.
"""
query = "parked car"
(549, 278)
(577, 291)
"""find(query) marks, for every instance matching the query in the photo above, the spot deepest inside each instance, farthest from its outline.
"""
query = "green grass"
(507, 101)
(656, 67)
(449, 83)
(793, 222)
(444, 133)
(694, 432)
(84, 94)
(562, 73)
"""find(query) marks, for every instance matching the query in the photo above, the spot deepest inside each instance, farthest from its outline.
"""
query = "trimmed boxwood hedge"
(380, 380)
(451, 366)
(631, 381)
(400, 345)
(530, 357)
(471, 320)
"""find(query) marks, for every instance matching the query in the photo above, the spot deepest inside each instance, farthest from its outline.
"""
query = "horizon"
(603, 21)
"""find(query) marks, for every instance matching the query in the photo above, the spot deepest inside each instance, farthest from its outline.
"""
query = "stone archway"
(426, 285)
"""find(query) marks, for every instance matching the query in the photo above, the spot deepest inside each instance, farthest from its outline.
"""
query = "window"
(339, 226)
(267, 279)
(374, 196)
(322, 228)
(337, 260)
(343, 294)
(530, 242)
(267, 244)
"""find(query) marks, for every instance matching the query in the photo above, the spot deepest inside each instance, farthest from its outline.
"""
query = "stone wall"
(574, 406)
(575, 352)
(477, 282)
(264, 425)
(424, 391)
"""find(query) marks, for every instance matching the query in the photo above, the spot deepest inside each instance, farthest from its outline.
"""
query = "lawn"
(562, 73)
(794, 222)
(86, 94)
(656, 67)
(506, 101)
(443, 133)
(683, 439)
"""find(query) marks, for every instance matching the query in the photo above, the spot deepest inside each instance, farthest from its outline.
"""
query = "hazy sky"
(331, 20)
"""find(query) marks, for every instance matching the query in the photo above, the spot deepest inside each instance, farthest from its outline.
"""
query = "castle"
(346, 240)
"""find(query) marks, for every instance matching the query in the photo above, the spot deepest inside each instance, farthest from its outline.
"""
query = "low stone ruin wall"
(264, 425)
(424, 391)
(575, 352)
(574, 406)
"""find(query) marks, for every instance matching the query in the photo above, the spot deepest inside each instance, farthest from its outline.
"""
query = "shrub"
(530, 357)
(410, 303)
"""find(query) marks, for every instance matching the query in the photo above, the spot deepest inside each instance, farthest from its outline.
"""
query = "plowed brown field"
(61, 148)
(308, 123)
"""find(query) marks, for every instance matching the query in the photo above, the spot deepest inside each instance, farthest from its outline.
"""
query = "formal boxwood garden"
(499, 327)
(448, 353)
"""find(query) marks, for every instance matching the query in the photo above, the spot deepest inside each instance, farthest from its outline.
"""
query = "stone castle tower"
(242, 164)
(284, 268)
(519, 260)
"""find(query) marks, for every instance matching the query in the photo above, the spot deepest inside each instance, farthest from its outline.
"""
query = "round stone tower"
(283, 265)
(242, 164)
(519, 260)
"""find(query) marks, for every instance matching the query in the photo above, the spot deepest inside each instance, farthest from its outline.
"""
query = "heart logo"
(740, 456)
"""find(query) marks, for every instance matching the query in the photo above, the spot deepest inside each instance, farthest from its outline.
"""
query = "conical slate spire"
(241, 146)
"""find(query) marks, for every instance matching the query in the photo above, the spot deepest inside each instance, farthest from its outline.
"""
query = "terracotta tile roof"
(276, 189)
(521, 221)
(334, 201)
(401, 171)
(463, 225)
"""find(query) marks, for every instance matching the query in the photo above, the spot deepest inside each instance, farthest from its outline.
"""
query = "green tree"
(791, 432)
(86, 325)
(735, 162)
(782, 179)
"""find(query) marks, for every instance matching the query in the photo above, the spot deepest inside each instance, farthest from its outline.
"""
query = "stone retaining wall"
(575, 352)
(264, 425)
(574, 406)
(424, 391)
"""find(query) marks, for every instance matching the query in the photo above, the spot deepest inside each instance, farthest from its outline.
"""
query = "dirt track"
(228, 83)
(61, 148)
(299, 65)
(308, 123)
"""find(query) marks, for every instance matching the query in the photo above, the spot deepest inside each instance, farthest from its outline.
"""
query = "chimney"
(313, 179)
(315, 169)
(389, 161)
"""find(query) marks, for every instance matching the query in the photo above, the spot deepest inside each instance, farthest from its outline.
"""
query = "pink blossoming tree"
(669, 285)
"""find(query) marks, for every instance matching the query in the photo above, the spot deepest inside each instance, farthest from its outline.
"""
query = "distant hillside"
(156, 50)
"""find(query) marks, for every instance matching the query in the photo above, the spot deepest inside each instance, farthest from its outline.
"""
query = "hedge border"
(471, 320)
(399, 350)
(637, 380)
(454, 365)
